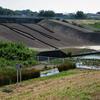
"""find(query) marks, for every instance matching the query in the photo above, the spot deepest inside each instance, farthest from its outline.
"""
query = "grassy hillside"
(93, 25)
(77, 84)
(75, 51)
(83, 21)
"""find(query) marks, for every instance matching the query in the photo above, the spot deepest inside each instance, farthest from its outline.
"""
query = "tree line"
(41, 13)
(27, 12)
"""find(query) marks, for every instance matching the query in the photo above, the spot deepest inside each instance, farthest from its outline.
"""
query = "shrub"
(73, 23)
(69, 53)
(57, 18)
(79, 25)
(28, 74)
(7, 78)
(15, 51)
(66, 66)
(65, 21)
(11, 53)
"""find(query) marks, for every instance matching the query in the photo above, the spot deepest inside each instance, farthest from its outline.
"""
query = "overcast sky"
(59, 6)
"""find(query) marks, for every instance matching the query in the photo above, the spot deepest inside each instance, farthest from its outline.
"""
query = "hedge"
(6, 79)
(66, 66)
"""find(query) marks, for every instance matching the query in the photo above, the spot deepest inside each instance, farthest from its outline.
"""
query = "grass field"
(84, 21)
(77, 84)
(75, 51)
(93, 25)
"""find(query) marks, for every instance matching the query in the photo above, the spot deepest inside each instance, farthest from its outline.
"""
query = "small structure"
(55, 53)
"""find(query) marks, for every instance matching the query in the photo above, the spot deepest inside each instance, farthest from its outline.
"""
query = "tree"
(80, 15)
(27, 12)
(98, 13)
(47, 13)
(4, 11)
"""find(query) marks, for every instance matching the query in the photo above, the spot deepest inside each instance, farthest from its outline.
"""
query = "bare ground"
(68, 87)
(37, 36)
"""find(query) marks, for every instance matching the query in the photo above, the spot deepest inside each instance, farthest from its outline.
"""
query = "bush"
(28, 74)
(73, 23)
(66, 66)
(11, 53)
(15, 51)
(7, 78)
(57, 18)
(65, 21)
(79, 25)
(69, 53)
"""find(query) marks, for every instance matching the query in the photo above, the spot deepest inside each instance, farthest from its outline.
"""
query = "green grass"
(47, 68)
(78, 93)
(64, 73)
(60, 61)
(83, 21)
(93, 25)
(76, 51)
(11, 53)
(82, 92)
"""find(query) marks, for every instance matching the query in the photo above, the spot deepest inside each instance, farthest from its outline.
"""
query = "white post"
(20, 78)
(17, 76)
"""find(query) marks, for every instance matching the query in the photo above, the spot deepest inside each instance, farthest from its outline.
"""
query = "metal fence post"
(37, 58)
(63, 60)
(48, 60)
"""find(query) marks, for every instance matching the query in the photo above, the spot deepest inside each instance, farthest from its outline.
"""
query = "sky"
(59, 6)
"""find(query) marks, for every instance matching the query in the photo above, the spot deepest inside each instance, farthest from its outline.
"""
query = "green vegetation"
(93, 25)
(75, 51)
(90, 62)
(72, 84)
(83, 21)
(65, 21)
(11, 53)
(6, 11)
(80, 15)
(8, 76)
(60, 60)
(47, 68)
(66, 66)
(47, 13)
(27, 12)
(58, 75)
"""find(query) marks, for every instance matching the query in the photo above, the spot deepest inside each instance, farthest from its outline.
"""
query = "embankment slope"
(51, 34)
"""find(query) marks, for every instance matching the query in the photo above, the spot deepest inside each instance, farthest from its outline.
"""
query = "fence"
(50, 60)
(56, 61)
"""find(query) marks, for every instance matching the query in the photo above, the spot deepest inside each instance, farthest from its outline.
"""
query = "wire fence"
(57, 61)
(50, 60)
